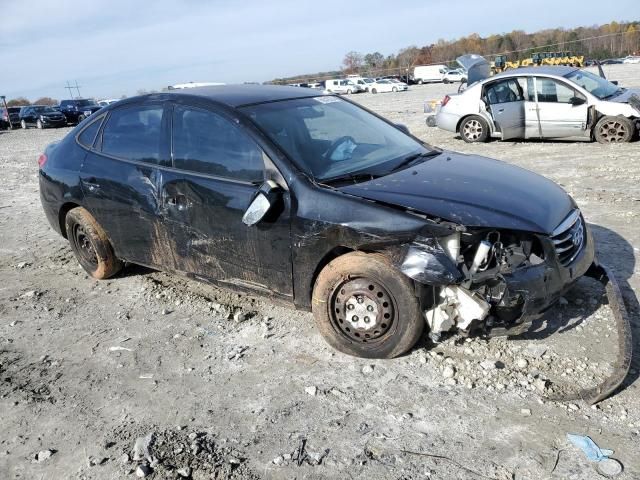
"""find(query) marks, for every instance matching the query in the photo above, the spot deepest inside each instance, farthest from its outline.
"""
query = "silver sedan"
(542, 102)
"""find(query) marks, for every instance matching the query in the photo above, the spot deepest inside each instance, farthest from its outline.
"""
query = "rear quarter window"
(88, 135)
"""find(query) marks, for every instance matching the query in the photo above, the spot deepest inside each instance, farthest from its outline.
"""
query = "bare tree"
(352, 62)
(46, 101)
(18, 102)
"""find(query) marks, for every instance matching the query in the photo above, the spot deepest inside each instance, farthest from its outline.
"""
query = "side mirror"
(264, 199)
(575, 101)
(404, 128)
(615, 82)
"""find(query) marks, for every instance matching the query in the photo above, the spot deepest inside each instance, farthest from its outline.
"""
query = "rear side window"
(88, 135)
(133, 133)
(205, 142)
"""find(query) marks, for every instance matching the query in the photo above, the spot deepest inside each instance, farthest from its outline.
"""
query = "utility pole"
(71, 87)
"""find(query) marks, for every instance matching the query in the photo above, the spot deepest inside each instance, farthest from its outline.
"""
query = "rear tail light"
(42, 159)
(445, 100)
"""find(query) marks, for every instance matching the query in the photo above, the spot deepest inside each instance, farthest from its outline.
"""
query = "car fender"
(616, 108)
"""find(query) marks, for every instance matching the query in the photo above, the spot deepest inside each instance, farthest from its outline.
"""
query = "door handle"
(91, 184)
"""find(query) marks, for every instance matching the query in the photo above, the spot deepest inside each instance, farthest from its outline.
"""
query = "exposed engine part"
(459, 308)
(481, 257)
(451, 245)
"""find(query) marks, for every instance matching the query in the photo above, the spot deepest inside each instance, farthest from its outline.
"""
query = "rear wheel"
(373, 90)
(23, 124)
(90, 244)
(394, 89)
(420, 82)
(39, 124)
(80, 118)
(474, 129)
(365, 307)
(610, 129)
(349, 92)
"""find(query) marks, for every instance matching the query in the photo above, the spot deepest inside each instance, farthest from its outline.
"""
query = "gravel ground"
(224, 385)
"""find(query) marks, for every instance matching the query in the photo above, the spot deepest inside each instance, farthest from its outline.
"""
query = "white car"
(542, 102)
(631, 59)
(455, 76)
(385, 85)
(108, 101)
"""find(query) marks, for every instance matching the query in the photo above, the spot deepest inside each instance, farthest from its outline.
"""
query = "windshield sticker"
(327, 99)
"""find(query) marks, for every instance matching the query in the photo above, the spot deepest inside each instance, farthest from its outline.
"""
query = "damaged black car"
(317, 201)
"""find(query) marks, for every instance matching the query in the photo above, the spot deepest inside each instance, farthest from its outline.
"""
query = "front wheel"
(23, 124)
(80, 118)
(611, 129)
(39, 124)
(90, 244)
(474, 129)
(373, 90)
(420, 82)
(349, 92)
(364, 306)
(394, 89)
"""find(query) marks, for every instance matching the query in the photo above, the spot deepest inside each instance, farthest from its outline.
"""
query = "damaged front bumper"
(528, 293)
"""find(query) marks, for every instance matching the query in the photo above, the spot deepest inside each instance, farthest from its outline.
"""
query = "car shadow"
(133, 270)
(588, 295)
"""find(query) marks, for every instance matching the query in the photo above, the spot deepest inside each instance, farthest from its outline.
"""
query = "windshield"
(594, 84)
(86, 103)
(328, 137)
(43, 109)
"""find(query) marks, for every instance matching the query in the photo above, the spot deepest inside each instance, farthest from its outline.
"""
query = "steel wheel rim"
(84, 247)
(363, 311)
(613, 131)
(473, 129)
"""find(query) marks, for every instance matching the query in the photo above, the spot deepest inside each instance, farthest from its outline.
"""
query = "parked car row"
(68, 112)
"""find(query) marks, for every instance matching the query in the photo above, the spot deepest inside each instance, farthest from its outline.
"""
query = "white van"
(429, 73)
(365, 82)
(341, 85)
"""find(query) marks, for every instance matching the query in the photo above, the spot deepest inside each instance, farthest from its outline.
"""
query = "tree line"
(610, 40)
(21, 101)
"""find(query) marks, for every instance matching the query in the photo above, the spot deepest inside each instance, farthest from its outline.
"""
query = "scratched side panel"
(207, 239)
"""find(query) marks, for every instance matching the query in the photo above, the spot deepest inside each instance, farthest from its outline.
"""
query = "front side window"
(134, 133)
(552, 91)
(205, 142)
(328, 137)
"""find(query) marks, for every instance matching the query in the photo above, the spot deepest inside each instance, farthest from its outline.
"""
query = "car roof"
(239, 95)
(559, 71)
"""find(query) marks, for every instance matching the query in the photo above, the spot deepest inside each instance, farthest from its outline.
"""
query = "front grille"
(569, 237)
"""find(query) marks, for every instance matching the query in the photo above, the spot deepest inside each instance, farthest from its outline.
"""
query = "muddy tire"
(611, 129)
(474, 129)
(364, 306)
(90, 244)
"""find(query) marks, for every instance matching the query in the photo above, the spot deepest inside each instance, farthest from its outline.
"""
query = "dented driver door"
(217, 170)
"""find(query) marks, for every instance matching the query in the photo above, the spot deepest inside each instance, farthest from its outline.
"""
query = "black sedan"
(310, 198)
(41, 116)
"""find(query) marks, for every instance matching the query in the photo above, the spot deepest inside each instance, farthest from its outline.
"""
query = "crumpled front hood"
(473, 191)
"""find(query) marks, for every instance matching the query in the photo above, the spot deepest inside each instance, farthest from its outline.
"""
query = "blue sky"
(116, 47)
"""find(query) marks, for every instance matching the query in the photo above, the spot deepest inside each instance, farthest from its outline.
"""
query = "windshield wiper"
(350, 177)
(409, 160)
(614, 94)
